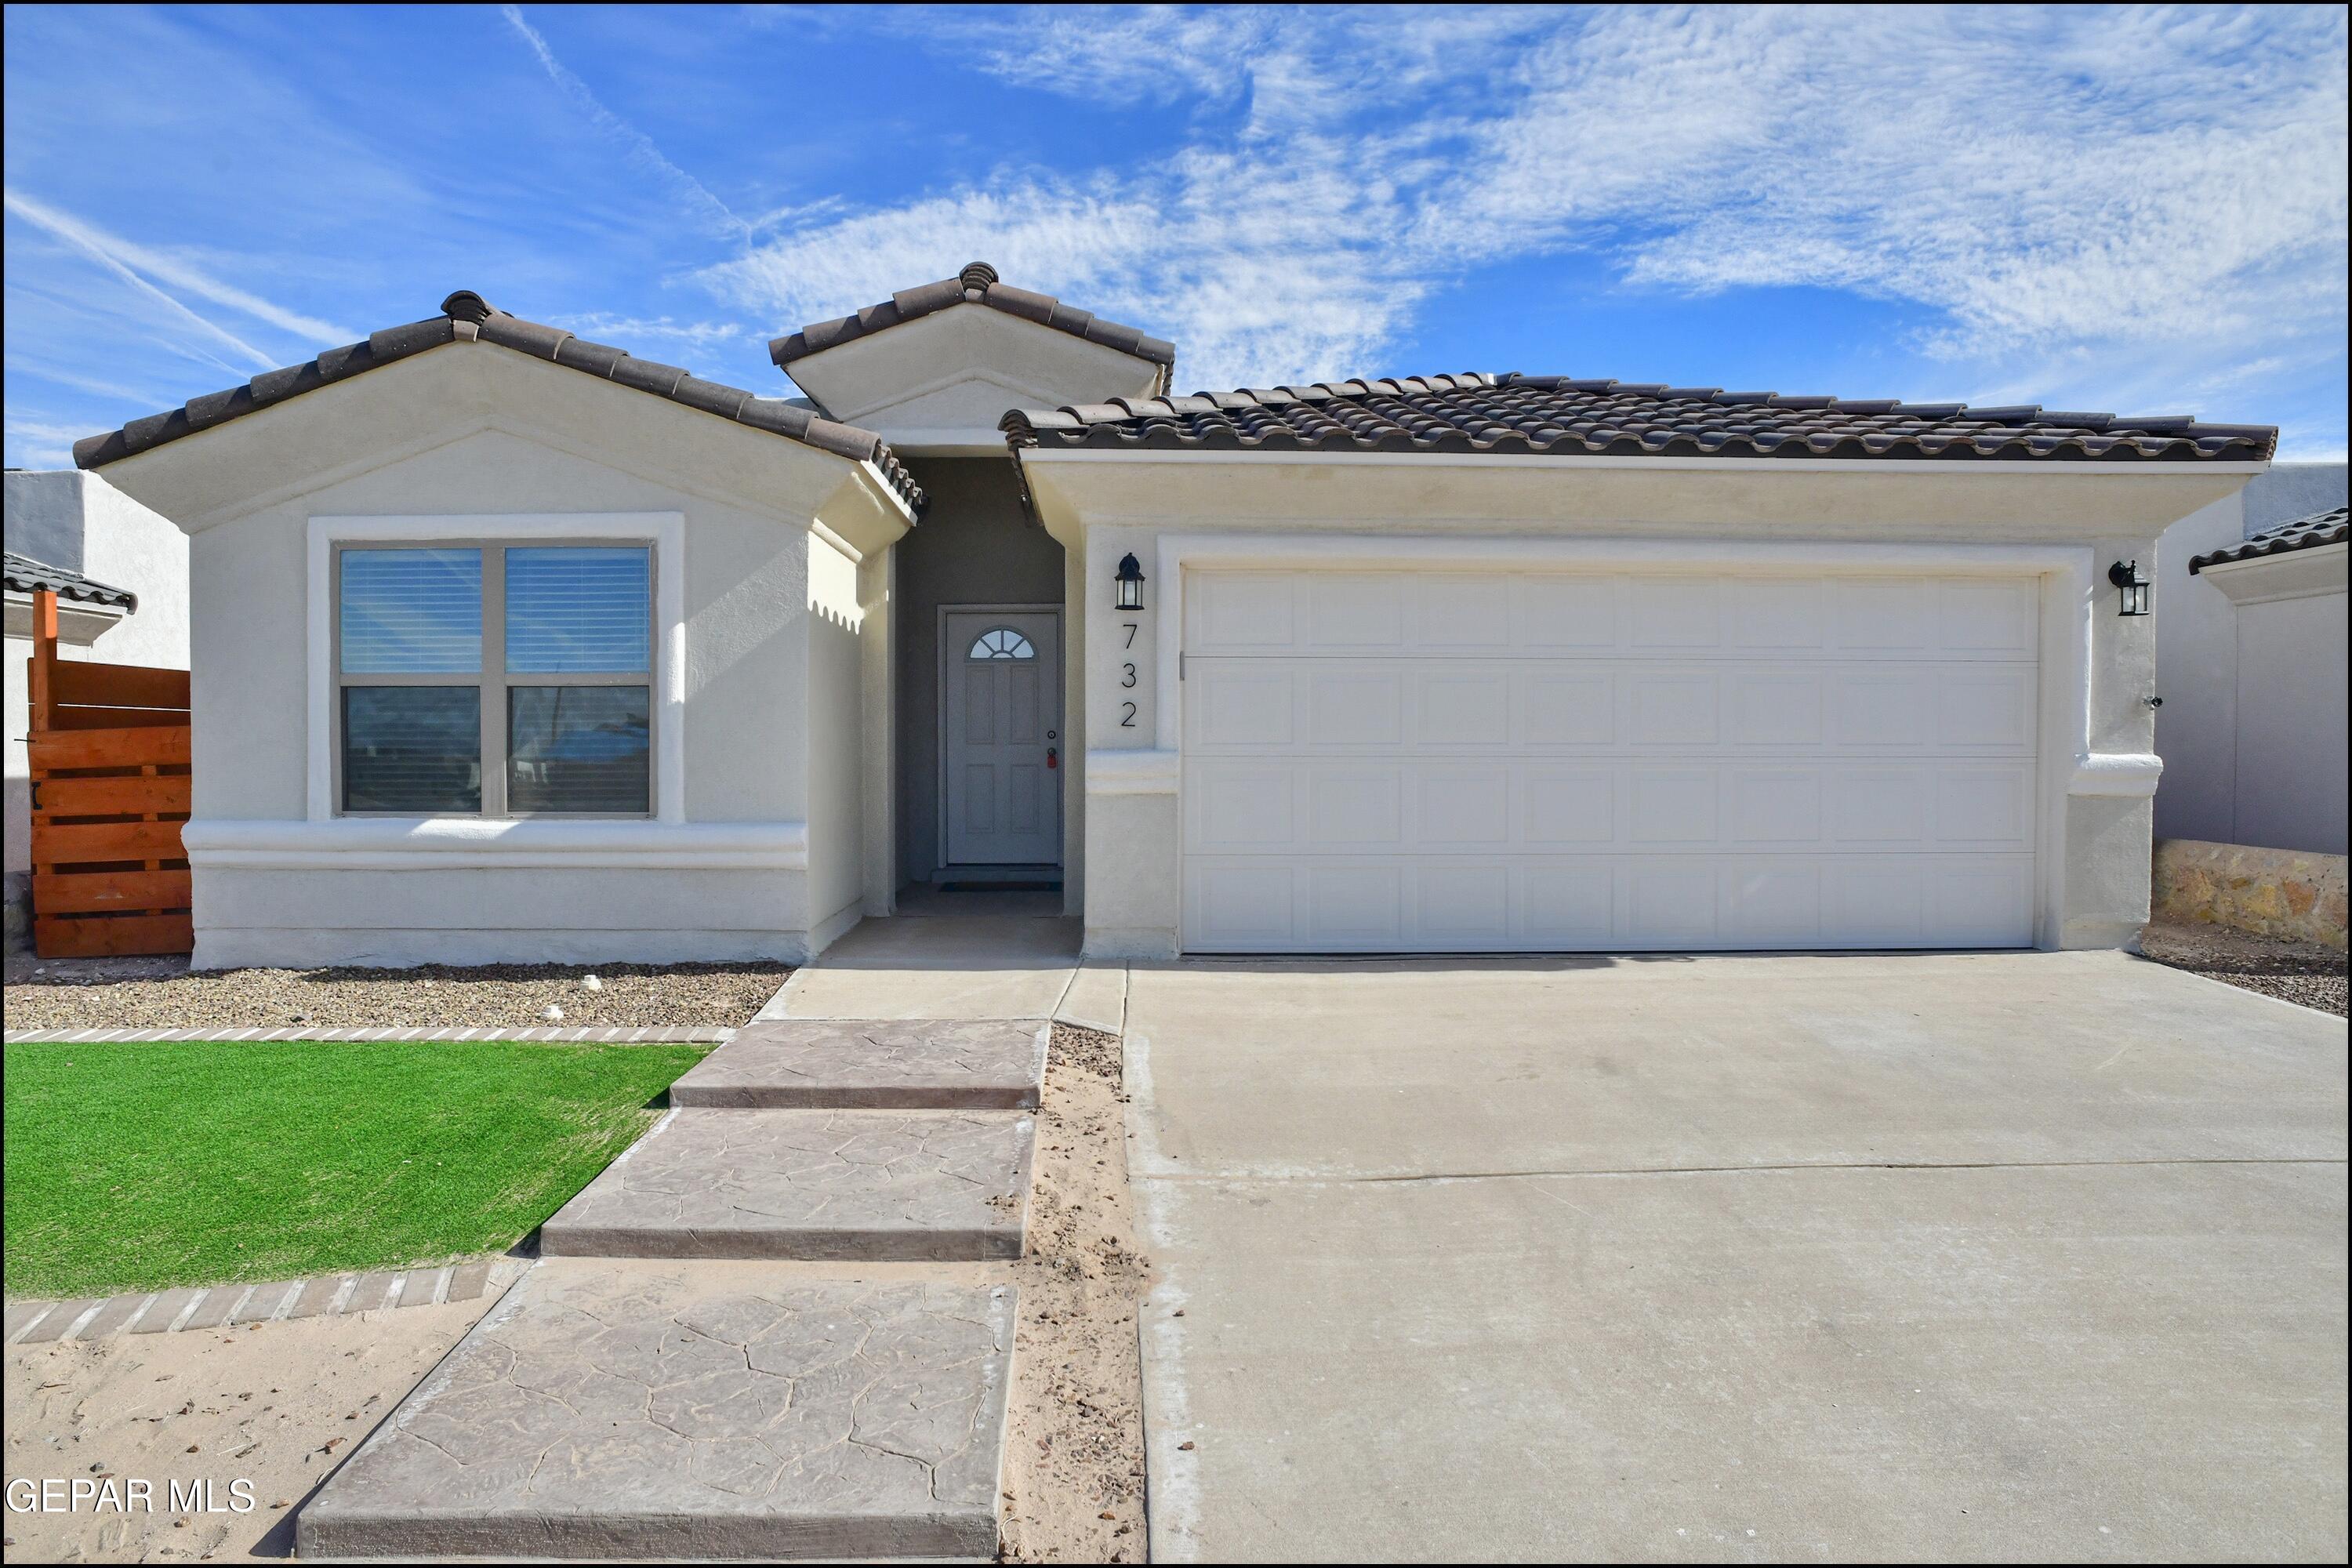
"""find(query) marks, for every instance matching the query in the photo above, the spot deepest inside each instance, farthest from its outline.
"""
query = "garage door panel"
(1985, 709)
(1239, 906)
(1461, 705)
(1355, 808)
(1356, 613)
(1481, 761)
(1775, 708)
(1882, 707)
(1987, 617)
(1677, 708)
(1879, 616)
(1671, 903)
(1458, 611)
(1772, 903)
(1879, 807)
(1672, 612)
(1564, 706)
(1562, 807)
(1354, 707)
(1242, 805)
(1462, 806)
(1774, 615)
(1774, 807)
(1671, 805)
(1358, 905)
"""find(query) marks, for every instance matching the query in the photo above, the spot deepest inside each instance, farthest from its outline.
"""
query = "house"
(2250, 661)
(511, 646)
(121, 575)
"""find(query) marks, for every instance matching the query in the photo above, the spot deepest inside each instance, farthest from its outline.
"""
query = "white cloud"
(93, 245)
(2105, 195)
(689, 191)
(601, 326)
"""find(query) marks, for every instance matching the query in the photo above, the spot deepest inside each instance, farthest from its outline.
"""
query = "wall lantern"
(1130, 584)
(2125, 575)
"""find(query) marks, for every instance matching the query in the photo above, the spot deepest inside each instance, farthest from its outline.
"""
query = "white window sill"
(457, 843)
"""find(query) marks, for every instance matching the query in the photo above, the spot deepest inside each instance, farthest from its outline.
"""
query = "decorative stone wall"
(2271, 892)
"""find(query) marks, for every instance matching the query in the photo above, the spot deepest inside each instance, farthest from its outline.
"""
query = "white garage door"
(1432, 761)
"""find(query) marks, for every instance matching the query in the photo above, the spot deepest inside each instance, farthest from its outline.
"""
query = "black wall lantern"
(2125, 575)
(1130, 584)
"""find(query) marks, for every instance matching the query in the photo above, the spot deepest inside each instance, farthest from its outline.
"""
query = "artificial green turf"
(135, 1167)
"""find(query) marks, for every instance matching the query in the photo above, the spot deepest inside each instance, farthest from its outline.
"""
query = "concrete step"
(818, 1063)
(844, 1186)
(691, 1410)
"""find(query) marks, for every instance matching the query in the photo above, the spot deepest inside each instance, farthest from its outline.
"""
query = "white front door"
(1552, 761)
(1001, 736)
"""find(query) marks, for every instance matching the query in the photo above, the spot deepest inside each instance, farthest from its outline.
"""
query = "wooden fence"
(108, 746)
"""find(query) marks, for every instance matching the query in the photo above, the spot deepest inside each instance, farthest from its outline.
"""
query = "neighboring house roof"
(2303, 533)
(466, 315)
(1563, 415)
(22, 574)
(975, 285)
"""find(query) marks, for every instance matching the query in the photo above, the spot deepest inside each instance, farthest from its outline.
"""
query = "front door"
(1001, 746)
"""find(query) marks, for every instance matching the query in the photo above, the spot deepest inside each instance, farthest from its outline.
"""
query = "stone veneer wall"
(2271, 892)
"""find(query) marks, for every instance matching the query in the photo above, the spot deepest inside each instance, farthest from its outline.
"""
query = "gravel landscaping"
(163, 993)
(2309, 973)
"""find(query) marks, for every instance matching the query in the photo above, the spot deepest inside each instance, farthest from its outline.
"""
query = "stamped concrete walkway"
(692, 1411)
(715, 1409)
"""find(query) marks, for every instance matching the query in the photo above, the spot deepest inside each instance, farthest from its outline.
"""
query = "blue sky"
(2139, 211)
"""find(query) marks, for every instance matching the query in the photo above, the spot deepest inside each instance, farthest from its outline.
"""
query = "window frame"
(661, 534)
(493, 679)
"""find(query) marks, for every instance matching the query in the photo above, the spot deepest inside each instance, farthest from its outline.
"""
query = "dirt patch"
(2310, 972)
(277, 1406)
(164, 993)
(1073, 1442)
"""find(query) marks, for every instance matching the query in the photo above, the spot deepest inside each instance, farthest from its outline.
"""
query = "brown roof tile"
(466, 316)
(2303, 533)
(24, 574)
(1564, 415)
(976, 285)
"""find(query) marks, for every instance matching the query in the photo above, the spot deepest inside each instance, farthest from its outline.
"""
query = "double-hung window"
(494, 679)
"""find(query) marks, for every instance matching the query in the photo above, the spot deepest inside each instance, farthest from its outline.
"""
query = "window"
(1002, 643)
(537, 657)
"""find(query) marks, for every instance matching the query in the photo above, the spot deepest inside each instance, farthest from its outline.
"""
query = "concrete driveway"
(2024, 1255)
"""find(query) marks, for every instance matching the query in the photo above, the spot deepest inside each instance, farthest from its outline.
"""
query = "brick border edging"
(562, 1036)
(276, 1300)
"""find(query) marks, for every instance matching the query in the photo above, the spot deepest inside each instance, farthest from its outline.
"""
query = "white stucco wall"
(2206, 787)
(81, 522)
(2101, 767)
(770, 660)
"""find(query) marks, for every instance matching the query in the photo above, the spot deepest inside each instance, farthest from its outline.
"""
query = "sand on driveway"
(275, 1405)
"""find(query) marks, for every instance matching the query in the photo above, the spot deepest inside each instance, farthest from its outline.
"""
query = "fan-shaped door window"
(1002, 642)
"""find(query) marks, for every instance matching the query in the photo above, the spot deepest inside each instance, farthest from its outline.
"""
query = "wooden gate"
(108, 746)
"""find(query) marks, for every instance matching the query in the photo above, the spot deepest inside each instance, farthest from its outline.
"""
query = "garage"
(1559, 760)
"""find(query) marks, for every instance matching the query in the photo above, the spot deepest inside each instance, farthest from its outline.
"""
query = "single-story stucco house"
(509, 646)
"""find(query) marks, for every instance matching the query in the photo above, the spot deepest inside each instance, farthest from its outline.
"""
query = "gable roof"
(22, 574)
(975, 285)
(2303, 533)
(466, 317)
(1566, 416)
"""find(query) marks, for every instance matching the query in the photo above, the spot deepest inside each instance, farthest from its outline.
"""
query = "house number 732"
(1127, 680)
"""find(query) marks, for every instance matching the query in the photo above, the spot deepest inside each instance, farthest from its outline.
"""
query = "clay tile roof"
(2303, 533)
(466, 317)
(22, 574)
(1557, 415)
(975, 285)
